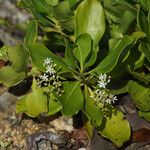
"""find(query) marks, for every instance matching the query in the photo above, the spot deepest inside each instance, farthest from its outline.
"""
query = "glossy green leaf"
(115, 9)
(135, 60)
(31, 32)
(93, 113)
(89, 129)
(69, 58)
(36, 101)
(52, 2)
(54, 105)
(62, 10)
(3, 53)
(41, 6)
(140, 95)
(116, 129)
(112, 43)
(9, 77)
(93, 57)
(145, 4)
(36, 8)
(72, 3)
(39, 53)
(140, 62)
(122, 87)
(142, 77)
(72, 98)
(64, 16)
(144, 47)
(21, 105)
(90, 18)
(145, 115)
(110, 61)
(126, 21)
(137, 35)
(84, 44)
(19, 57)
(142, 20)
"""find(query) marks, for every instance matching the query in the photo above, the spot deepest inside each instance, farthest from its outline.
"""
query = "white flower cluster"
(50, 77)
(102, 95)
(103, 81)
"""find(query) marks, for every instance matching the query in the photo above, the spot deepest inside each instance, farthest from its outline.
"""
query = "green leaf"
(89, 129)
(69, 58)
(36, 101)
(116, 128)
(31, 32)
(53, 105)
(140, 95)
(41, 6)
(145, 4)
(93, 113)
(136, 59)
(122, 87)
(3, 53)
(21, 105)
(142, 77)
(72, 3)
(9, 77)
(90, 18)
(19, 57)
(110, 61)
(144, 47)
(145, 115)
(115, 9)
(113, 42)
(39, 53)
(37, 10)
(137, 35)
(64, 16)
(93, 57)
(72, 98)
(84, 44)
(142, 20)
(126, 21)
(62, 10)
(52, 2)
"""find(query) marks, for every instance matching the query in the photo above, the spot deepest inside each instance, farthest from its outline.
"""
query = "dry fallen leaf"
(141, 135)
(79, 134)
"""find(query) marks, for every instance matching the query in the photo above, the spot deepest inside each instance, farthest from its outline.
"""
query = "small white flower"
(108, 101)
(103, 97)
(102, 84)
(103, 80)
(114, 99)
(44, 77)
(50, 69)
(47, 61)
(102, 77)
(54, 83)
(111, 99)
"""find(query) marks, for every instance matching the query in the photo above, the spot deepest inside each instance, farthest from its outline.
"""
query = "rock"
(6, 100)
(12, 18)
(131, 114)
(99, 143)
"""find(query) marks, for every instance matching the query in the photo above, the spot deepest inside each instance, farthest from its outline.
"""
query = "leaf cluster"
(84, 38)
